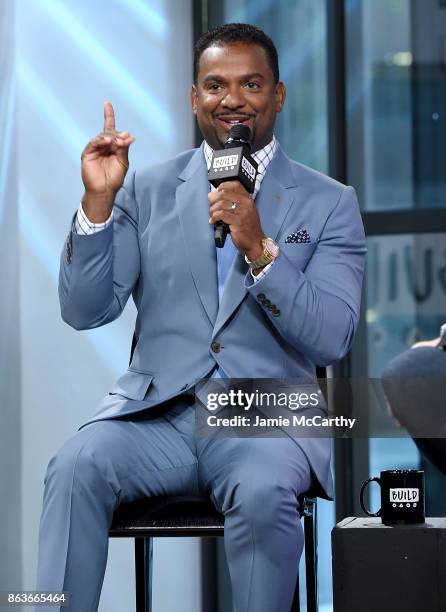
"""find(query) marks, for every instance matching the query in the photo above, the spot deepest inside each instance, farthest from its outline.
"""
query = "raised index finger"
(109, 117)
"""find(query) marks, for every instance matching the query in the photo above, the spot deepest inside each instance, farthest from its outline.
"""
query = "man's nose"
(234, 98)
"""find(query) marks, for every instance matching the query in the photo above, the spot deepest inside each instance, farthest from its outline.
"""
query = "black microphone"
(233, 163)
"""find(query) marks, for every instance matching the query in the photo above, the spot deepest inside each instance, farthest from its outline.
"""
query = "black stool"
(186, 517)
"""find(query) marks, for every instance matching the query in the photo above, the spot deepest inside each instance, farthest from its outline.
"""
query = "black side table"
(389, 569)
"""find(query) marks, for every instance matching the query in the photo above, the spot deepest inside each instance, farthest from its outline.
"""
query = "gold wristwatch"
(269, 254)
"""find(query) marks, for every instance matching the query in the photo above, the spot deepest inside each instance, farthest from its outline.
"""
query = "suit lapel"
(273, 202)
(193, 209)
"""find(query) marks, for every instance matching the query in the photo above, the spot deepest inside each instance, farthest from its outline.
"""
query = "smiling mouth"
(229, 121)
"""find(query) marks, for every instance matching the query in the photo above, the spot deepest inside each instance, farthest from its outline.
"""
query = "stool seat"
(167, 516)
(181, 516)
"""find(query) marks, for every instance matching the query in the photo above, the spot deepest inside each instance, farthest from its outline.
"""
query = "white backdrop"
(10, 443)
(69, 58)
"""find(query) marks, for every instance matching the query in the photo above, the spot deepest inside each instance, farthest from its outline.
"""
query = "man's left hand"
(243, 220)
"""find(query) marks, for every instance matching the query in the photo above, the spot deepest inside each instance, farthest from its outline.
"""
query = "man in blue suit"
(280, 298)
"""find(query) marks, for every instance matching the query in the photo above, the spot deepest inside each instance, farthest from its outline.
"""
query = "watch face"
(272, 247)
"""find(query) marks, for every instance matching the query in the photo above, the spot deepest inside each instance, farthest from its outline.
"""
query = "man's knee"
(264, 502)
(78, 460)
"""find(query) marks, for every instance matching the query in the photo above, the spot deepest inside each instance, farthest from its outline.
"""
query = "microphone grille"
(240, 132)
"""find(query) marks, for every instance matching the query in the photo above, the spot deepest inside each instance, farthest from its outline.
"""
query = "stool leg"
(311, 555)
(143, 574)
(149, 573)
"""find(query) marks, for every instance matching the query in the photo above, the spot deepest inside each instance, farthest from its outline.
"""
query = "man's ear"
(280, 96)
(193, 98)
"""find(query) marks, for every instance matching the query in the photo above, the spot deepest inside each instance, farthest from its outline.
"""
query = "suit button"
(266, 303)
(275, 312)
(215, 346)
(261, 297)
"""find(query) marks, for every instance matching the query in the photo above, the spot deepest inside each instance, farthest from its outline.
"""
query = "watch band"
(267, 255)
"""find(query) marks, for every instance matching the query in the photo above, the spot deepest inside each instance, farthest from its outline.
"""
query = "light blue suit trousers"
(254, 482)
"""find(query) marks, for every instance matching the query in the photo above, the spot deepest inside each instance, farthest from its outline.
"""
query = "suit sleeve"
(99, 271)
(317, 305)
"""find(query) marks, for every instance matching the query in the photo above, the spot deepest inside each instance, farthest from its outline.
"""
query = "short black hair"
(237, 33)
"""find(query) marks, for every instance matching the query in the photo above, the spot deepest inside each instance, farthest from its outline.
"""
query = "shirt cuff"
(262, 273)
(83, 225)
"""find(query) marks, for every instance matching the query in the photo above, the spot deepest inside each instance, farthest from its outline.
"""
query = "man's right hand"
(105, 163)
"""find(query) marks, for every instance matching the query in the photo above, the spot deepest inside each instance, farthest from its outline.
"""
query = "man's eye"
(214, 86)
(252, 85)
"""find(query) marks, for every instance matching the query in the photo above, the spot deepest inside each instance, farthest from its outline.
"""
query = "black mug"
(402, 497)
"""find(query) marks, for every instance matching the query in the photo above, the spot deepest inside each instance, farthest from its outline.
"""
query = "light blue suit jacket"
(160, 247)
